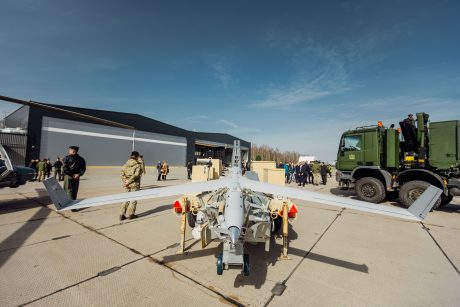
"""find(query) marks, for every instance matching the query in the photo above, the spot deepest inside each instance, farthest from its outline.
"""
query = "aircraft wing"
(62, 202)
(416, 212)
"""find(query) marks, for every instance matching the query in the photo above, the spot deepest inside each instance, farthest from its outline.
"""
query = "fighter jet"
(239, 209)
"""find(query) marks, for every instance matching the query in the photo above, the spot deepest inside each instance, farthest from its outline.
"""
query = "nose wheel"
(246, 267)
(220, 265)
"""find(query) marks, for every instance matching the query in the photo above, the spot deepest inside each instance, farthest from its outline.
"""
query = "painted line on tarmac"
(440, 248)
(283, 283)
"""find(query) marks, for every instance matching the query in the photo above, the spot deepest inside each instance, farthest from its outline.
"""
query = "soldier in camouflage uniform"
(316, 169)
(131, 177)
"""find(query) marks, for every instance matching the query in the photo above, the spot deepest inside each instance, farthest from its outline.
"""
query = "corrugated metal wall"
(108, 146)
(15, 145)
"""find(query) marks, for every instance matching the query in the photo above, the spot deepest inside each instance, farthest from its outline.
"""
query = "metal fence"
(16, 147)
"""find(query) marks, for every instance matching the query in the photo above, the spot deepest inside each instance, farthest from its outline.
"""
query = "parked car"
(11, 175)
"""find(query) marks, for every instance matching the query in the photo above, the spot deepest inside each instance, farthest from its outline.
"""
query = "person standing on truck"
(410, 120)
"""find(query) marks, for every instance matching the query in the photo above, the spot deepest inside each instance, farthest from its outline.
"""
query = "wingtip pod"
(57, 194)
(425, 202)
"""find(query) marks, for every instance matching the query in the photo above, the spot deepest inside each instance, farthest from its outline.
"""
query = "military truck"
(11, 175)
(384, 163)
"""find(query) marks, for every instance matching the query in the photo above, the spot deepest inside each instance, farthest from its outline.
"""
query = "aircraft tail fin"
(57, 194)
(236, 156)
(425, 202)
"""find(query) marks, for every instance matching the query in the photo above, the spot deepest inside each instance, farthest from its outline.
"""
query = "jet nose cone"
(234, 233)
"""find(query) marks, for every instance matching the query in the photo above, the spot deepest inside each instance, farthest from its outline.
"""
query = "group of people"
(69, 170)
(307, 173)
(163, 170)
(44, 167)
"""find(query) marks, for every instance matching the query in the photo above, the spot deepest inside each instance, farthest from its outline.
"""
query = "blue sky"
(290, 74)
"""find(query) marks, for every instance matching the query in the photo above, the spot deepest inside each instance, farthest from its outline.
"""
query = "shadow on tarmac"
(155, 210)
(393, 199)
(260, 260)
(17, 238)
(450, 208)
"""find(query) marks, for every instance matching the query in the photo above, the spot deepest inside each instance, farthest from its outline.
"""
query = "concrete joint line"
(440, 248)
(280, 287)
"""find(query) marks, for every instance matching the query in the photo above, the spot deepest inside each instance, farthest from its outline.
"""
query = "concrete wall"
(106, 146)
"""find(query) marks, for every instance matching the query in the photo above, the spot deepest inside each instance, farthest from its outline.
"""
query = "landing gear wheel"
(220, 264)
(246, 267)
(411, 190)
(370, 189)
(191, 219)
(445, 200)
(276, 224)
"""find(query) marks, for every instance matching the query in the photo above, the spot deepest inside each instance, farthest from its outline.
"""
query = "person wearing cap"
(73, 166)
(159, 170)
(58, 169)
(131, 178)
(189, 170)
(410, 119)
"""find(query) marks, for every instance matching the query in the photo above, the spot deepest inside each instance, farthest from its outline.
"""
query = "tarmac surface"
(338, 257)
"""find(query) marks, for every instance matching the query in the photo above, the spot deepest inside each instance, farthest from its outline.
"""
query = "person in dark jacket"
(189, 170)
(49, 168)
(159, 170)
(303, 174)
(74, 166)
(33, 165)
(297, 173)
(58, 169)
(324, 173)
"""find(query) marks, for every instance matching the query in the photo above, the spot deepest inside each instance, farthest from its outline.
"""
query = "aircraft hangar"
(106, 138)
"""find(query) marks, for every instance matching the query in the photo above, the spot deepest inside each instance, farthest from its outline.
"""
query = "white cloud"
(221, 68)
(229, 123)
(320, 71)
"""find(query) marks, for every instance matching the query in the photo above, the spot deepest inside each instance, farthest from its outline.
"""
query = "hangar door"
(108, 146)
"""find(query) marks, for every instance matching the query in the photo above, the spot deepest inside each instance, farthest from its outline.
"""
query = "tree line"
(267, 153)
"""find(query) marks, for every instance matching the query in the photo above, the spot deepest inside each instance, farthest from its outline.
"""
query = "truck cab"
(381, 162)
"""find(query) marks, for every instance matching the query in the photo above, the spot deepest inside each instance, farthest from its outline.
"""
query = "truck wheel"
(411, 190)
(445, 200)
(370, 189)
(191, 219)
